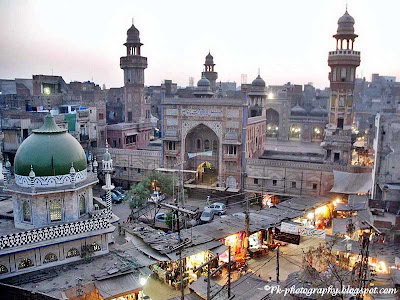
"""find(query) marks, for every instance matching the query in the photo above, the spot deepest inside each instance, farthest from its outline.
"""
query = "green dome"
(50, 150)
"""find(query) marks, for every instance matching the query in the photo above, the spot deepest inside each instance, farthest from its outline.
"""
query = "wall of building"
(255, 137)
(37, 256)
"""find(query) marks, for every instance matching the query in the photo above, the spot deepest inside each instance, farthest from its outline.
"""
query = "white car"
(207, 215)
(218, 208)
(156, 197)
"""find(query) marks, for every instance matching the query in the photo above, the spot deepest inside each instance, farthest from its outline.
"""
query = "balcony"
(344, 52)
(83, 137)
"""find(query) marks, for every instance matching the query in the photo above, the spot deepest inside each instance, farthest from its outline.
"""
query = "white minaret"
(108, 187)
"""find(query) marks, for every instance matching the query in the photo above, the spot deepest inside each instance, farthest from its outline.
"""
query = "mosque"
(256, 140)
(55, 217)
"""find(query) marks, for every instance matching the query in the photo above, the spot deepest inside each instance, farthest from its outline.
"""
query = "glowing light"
(142, 281)
(46, 91)
(271, 96)
(310, 216)
(323, 210)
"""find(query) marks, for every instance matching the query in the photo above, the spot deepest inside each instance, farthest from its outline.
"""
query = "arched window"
(295, 132)
(3, 269)
(26, 211)
(206, 145)
(72, 252)
(198, 144)
(317, 133)
(25, 263)
(82, 204)
(215, 146)
(94, 247)
(55, 211)
(50, 257)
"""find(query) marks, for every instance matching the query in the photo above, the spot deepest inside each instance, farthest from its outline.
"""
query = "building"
(55, 217)
(386, 173)
(343, 63)
(137, 109)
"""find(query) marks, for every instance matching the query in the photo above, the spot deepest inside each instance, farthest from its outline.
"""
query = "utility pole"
(247, 221)
(364, 266)
(209, 275)
(277, 265)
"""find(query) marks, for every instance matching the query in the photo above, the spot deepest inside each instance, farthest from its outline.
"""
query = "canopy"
(351, 183)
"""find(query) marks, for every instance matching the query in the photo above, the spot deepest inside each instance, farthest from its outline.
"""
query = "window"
(72, 252)
(129, 116)
(255, 180)
(206, 145)
(232, 150)
(138, 170)
(274, 182)
(215, 146)
(198, 144)
(94, 247)
(82, 204)
(55, 211)
(130, 139)
(3, 269)
(293, 184)
(340, 123)
(26, 211)
(328, 153)
(336, 156)
(50, 257)
(343, 74)
(25, 263)
(101, 116)
(171, 146)
(314, 186)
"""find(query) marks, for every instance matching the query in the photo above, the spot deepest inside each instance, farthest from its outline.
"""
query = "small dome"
(209, 59)
(107, 155)
(297, 110)
(203, 82)
(50, 151)
(346, 24)
(258, 82)
(133, 35)
(319, 112)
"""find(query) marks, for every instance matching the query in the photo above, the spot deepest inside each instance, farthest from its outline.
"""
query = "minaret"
(108, 187)
(133, 64)
(343, 63)
(209, 72)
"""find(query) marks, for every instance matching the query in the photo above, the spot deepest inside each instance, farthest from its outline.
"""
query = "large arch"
(272, 117)
(317, 133)
(202, 138)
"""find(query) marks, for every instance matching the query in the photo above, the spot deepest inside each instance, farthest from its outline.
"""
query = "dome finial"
(32, 173)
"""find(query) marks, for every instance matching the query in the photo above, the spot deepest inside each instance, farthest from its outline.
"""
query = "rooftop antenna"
(258, 71)
(132, 21)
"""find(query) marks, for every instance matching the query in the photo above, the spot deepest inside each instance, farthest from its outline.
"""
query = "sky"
(288, 40)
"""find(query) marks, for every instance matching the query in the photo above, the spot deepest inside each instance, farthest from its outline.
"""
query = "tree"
(142, 191)
(171, 220)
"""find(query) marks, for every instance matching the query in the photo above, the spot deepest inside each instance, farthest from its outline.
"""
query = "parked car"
(118, 193)
(207, 215)
(219, 208)
(161, 217)
(156, 197)
(115, 197)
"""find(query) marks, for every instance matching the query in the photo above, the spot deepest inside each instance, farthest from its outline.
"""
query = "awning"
(219, 250)
(189, 251)
(351, 183)
(117, 286)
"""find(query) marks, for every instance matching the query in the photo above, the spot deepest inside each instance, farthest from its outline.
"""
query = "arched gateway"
(202, 154)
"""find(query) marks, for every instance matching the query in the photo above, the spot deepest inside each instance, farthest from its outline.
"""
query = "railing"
(345, 52)
(52, 232)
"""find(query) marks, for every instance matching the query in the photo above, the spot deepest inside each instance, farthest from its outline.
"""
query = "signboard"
(202, 112)
(286, 237)
(300, 229)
